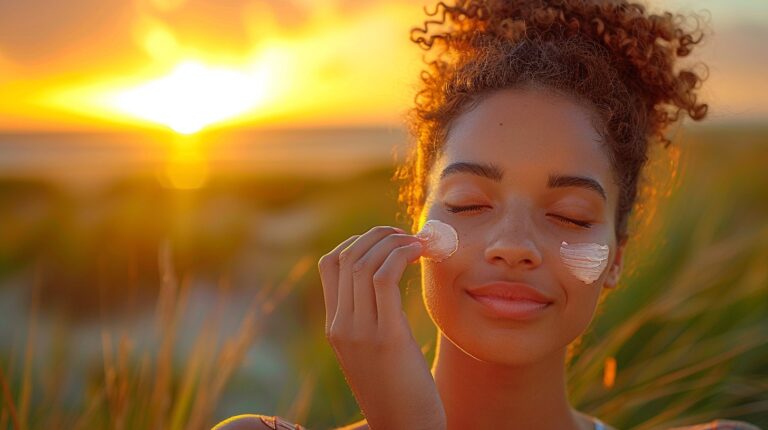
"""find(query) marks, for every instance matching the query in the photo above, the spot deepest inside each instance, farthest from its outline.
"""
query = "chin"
(493, 341)
(507, 352)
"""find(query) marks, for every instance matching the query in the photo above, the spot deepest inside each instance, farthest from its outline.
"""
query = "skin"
(490, 370)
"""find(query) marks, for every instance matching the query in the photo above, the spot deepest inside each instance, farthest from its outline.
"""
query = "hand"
(369, 332)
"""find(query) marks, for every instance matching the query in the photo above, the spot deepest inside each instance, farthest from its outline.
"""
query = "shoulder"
(257, 422)
(720, 424)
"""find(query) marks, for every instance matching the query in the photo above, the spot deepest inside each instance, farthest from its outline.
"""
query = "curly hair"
(612, 56)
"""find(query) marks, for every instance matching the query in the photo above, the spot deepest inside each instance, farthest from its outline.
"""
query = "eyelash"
(456, 209)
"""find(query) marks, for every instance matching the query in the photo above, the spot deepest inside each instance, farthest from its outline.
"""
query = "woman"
(532, 126)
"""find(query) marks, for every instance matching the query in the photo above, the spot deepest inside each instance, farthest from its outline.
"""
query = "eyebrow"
(496, 173)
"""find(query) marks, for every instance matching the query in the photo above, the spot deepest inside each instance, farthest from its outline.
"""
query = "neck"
(477, 394)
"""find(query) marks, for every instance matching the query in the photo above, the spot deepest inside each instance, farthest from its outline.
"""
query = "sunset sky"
(188, 65)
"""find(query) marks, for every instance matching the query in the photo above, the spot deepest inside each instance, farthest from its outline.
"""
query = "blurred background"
(172, 170)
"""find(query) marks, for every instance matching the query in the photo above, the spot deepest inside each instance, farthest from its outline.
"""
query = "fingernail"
(399, 230)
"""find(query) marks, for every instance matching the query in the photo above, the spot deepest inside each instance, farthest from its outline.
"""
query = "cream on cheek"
(585, 260)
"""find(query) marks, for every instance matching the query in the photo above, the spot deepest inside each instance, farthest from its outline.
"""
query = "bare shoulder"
(257, 422)
(720, 424)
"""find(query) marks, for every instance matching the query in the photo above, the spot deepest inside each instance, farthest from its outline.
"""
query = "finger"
(386, 280)
(363, 269)
(345, 303)
(329, 278)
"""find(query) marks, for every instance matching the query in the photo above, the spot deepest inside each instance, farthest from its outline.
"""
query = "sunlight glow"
(320, 74)
(186, 167)
(186, 171)
(193, 96)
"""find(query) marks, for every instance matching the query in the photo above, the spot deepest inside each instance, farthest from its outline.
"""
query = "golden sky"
(192, 64)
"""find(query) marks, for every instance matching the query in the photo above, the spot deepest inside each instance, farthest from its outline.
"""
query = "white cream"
(585, 260)
(439, 239)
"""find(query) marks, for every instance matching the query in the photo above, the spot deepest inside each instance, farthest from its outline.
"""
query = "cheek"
(437, 292)
(577, 311)
(442, 296)
(582, 280)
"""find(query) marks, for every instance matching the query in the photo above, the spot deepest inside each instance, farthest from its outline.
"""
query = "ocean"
(84, 159)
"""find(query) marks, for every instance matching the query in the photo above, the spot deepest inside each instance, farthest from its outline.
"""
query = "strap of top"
(599, 425)
(279, 423)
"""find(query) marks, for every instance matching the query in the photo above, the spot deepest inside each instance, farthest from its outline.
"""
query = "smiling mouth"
(507, 308)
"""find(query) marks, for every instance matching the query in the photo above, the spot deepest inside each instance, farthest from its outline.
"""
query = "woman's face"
(525, 140)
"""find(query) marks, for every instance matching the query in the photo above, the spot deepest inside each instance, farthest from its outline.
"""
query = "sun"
(194, 95)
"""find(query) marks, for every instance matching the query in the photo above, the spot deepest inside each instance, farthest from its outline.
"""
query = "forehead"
(529, 133)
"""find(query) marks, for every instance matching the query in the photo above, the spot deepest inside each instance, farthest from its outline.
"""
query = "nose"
(513, 243)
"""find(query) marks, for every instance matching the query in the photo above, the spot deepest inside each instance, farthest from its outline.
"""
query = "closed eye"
(573, 221)
(456, 209)
(471, 208)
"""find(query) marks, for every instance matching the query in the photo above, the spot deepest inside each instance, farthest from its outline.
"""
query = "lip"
(510, 300)
(510, 291)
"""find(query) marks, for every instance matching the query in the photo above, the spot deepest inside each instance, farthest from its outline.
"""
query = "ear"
(614, 271)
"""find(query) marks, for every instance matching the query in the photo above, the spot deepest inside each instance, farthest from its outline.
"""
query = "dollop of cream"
(585, 260)
(439, 240)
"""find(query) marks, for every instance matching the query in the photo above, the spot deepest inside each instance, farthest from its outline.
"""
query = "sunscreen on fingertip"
(439, 239)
